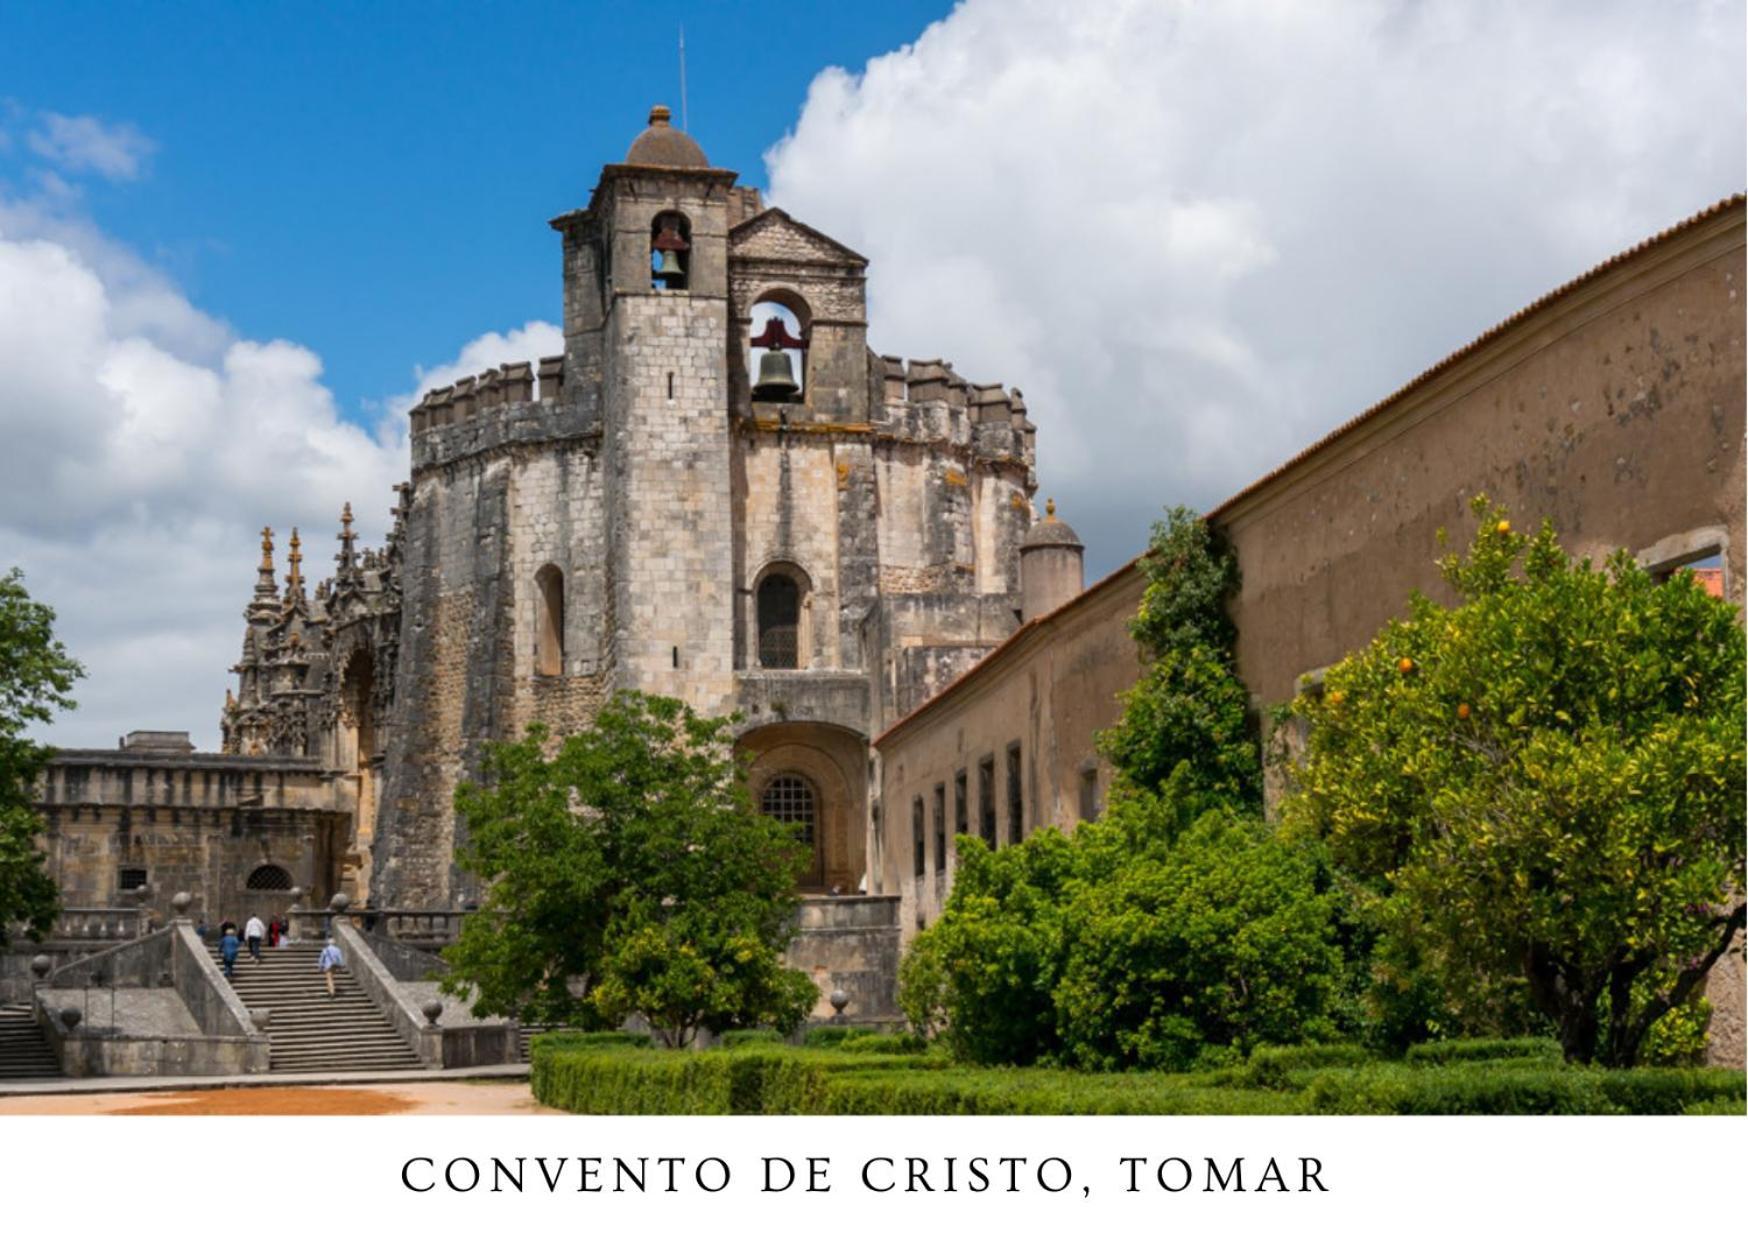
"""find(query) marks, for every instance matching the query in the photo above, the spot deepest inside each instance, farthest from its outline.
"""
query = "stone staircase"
(308, 1031)
(24, 1051)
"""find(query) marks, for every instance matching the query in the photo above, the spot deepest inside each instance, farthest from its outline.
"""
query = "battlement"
(934, 381)
(510, 384)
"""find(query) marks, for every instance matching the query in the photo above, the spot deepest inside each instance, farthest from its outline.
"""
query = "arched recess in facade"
(358, 742)
(831, 763)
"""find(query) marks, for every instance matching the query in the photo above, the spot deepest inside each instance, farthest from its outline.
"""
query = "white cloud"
(1200, 235)
(146, 446)
(86, 144)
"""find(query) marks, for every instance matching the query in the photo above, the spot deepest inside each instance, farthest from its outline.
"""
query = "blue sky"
(374, 180)
(236, 240)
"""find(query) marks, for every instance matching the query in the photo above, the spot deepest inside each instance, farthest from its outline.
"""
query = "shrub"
(751, 1037)
(1222, 939)
(883, 1044)
(577, 1039)
(830, 1035)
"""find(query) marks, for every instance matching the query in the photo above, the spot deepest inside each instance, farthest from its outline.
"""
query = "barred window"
(1016, 798)
(789, 799)
(917, 836)
(131, 879)
(268, 878)
(986, 801)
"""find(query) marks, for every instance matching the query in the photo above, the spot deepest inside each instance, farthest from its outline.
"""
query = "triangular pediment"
(773, 234)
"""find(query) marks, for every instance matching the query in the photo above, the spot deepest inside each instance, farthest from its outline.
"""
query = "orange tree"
(1545, 783)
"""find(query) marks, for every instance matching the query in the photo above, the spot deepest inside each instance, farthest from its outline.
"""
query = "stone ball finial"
(839, 1001)
(261, 1016)
(432, 1008)
(296, 894)
(181, 902)
(40, 965)
(70, 1017)
(341, 902)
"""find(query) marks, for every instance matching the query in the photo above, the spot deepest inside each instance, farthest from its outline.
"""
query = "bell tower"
(657, 227)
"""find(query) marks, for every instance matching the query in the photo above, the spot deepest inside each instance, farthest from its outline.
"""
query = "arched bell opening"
(670, 251)
(813, 776)
(777, 343)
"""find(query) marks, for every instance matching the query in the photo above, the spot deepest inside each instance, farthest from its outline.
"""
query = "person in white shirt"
(253, 933)
(328, 961)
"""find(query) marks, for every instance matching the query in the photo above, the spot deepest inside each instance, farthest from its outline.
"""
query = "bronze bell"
(776, 376)
(669, 264)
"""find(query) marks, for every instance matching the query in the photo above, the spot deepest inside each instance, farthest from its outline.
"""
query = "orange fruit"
(1462, 710)
(1405, 665)
(1504, 527)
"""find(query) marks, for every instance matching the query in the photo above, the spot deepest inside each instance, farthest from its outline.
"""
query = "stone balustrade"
(99, 925)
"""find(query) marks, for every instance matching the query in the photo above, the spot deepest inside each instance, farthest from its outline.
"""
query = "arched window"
(789, 799)
(779, 622)
(777, 339)
(268, 878)
(549, 624)
(670, 246)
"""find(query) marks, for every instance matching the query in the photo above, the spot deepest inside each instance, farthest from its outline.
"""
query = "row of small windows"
(988, 811)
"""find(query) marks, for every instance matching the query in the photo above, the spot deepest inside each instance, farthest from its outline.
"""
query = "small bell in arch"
(668, 247)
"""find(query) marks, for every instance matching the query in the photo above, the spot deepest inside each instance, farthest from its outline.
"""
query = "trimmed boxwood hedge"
(761, 1079)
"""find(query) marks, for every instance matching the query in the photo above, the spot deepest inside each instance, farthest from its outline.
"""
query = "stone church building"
(718, 492)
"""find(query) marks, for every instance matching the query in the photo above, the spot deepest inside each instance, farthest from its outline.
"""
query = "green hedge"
(752, 1037)
(1511, 1089)
(758, 1078)
(1464, 1050)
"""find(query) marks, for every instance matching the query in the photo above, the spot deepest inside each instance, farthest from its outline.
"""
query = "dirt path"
(401, 1098)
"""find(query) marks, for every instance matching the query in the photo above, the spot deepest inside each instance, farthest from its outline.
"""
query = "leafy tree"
(628, 873)
(36, 675)
(1184, 726)
(1544, 783)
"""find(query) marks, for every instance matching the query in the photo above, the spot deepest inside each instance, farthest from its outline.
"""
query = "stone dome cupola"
(1052, 569)
(663, 146)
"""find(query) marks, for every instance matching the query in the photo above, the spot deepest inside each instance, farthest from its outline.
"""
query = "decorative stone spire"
(348, 540)
(265, 587)
(294, 579)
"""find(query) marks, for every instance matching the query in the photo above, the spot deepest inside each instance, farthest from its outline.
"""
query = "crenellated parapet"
(928, 401)
(491, 412)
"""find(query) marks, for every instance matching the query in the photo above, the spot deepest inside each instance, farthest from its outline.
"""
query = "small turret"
(1051, 566)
